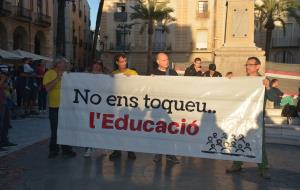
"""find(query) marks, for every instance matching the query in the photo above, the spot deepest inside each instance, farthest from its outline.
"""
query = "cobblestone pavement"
(30, 169)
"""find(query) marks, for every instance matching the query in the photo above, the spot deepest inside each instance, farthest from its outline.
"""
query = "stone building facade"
(217, 31)
(78, 37)
(27, 25)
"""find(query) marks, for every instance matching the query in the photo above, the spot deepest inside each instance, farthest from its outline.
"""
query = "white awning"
(26, 54)
(8, 55)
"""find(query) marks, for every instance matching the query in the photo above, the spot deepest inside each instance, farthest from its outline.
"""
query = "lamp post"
(60, 36)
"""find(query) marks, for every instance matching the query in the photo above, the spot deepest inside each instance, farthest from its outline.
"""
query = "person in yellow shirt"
(52, 83)
(121, 62)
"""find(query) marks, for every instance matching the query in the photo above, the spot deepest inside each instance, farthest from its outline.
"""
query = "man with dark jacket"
(194, 69)
(212, 71)
(163, 68)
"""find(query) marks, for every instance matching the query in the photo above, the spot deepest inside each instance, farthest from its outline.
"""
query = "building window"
(159, 40)
(121, 7)
(47, 8)
(202, 37)
(39, 5)
(284, 57)
(202, 7)
(19, 3)
(121, 36)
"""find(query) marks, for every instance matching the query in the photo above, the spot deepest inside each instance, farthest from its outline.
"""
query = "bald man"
(162, 61)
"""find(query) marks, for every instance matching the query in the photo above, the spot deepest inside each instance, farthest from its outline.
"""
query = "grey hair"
(58, 60)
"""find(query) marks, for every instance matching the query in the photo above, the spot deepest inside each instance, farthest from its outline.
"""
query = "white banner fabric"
(215, 118)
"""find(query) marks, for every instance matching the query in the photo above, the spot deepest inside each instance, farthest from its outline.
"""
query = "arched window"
(20, 38)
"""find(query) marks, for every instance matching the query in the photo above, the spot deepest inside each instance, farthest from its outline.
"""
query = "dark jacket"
(216, 74)
(191, 71)
(169, 72)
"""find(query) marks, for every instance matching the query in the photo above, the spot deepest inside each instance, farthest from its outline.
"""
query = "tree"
(152, 13)
(271, 11)
(98, 21)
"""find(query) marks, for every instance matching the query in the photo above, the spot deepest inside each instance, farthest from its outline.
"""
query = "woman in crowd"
(97, 68)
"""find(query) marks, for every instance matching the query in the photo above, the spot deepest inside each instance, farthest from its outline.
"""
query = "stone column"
(238, 39)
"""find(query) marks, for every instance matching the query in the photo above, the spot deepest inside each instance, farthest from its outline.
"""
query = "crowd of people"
(32, 83)
(21, 90)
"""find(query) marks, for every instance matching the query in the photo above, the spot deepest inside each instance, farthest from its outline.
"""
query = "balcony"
(159, 46)
(42, 20)
(202, 14)
(120, 47)
(120, 16)
(5, 8)
(285, 42)
(22, 13)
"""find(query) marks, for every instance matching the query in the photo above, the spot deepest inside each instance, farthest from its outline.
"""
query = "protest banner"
(216, 118)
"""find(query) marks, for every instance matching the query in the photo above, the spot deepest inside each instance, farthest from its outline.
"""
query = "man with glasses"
(252, 67)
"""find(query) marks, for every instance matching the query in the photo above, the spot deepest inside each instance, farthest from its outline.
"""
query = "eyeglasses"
(246, 65)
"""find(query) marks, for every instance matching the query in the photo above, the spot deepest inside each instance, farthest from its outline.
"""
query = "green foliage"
(270, 11)
(152, 13)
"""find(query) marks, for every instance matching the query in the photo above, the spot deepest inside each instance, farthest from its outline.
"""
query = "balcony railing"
(42, 20)
(286, 42)
(120, 47)
(161, 46)
(5, 8)
(120, 16)
(202, 14)
(23, 13)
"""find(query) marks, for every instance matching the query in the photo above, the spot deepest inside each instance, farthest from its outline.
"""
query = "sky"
(94, 4)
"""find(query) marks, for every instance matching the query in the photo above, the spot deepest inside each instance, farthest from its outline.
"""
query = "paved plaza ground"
(26, 167)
